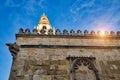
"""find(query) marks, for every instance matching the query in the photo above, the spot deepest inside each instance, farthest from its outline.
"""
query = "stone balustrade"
(67, 33)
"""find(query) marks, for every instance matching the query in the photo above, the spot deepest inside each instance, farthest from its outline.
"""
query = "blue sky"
(63, 14)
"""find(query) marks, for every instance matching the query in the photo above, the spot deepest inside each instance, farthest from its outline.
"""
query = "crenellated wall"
(66, 56)
(78, 39)
(71, 33)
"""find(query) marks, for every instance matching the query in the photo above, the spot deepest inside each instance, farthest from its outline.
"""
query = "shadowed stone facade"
(65, 56)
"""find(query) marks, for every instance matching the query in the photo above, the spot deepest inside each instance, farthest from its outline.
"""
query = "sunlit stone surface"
(65, 57)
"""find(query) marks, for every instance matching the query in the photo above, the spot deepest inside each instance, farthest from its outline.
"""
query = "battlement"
(69, 33)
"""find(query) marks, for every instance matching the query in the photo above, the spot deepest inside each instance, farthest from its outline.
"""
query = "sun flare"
(102, 34)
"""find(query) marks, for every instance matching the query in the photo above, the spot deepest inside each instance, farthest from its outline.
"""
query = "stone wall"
(43, 57)
(67, 40)
(46, 63)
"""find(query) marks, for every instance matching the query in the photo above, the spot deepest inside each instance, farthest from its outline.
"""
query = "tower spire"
(44, 24)
(43, 14)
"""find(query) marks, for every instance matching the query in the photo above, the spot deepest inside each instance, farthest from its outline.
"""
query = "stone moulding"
(65, 36)
(69, 46)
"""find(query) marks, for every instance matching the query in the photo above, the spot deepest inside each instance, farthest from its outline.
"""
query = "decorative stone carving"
(79, 32)
(92, 33)
(112, 33)
(35, 31)
(86, 33)
(27, 31)
(65, 32)
(14, 48)
(57, 32)
(50, 32)
(21, 31)
(72, 32)
(75, 62)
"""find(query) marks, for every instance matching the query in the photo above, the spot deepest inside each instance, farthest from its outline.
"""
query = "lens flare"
(102, 34)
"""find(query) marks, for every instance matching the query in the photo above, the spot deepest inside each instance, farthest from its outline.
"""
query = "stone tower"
(45, 54)
(44, 25)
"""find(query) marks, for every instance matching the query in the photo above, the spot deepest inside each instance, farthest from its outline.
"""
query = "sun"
(102, 34)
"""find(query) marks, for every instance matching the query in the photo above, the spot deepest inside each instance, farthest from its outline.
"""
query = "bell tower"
(44, 24)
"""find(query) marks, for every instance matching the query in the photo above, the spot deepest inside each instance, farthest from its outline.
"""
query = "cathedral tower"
(44, 25)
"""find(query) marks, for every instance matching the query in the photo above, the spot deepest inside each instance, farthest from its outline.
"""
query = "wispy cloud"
(110, 18)
(97, 14)
(79, 5)
(33, 6)
(85, 14)
(29, 7)
(14, 3)
(24, 10)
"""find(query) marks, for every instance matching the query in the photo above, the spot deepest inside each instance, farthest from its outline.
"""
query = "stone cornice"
(69, 46)
(66, 36)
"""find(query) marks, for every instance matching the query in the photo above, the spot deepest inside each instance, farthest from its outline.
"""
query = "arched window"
(44, 27)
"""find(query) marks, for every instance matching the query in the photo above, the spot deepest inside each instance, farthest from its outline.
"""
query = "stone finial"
(35, 31)
(79, 32)
(72, 32)
(14, 48)
(57, 32)
(92, 33)
(44, 24)
(27, 31)
(21, 31)
(99, 33)
(50, 32)
(112, 33)
(86, 33)
(106, 33)
(65, 32)
(42, 31)
(118, 33)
